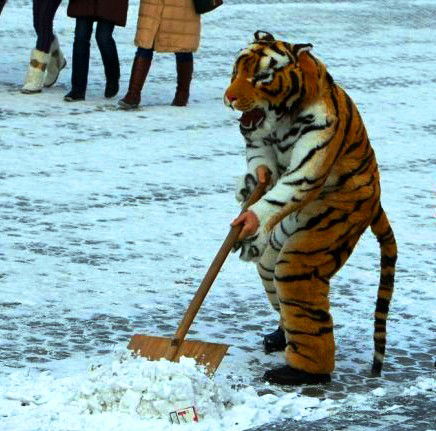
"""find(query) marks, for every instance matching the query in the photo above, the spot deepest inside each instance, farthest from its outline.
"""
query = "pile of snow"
(133, 393)
(150, 389)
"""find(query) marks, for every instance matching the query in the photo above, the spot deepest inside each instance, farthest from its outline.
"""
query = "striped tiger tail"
(381, 228)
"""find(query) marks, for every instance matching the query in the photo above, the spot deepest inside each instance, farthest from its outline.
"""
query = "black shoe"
(290, 376)
(74, 96)
(112, 88)
(274, 342)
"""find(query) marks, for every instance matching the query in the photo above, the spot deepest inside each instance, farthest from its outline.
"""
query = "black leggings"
(43, 15)
(2, 3)
(81, 51)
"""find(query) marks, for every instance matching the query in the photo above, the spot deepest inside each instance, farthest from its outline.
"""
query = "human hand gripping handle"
(247, 220)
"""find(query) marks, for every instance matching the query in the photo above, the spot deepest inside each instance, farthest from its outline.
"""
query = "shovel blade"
(154, 348)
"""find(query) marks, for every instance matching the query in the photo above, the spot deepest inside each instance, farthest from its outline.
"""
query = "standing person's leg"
(48, 41)
(39, 58)
(141, 66)
(46, 10)
(81, 51)
(185, 67)
(36, 6)
(109, 55)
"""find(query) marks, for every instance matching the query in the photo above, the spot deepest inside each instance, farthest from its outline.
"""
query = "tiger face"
(268, 80)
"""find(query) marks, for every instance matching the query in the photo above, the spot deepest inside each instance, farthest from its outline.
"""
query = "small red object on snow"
(183, 416)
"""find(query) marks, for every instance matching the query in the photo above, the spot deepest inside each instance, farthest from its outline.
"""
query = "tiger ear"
(263, 35)
(299, 48)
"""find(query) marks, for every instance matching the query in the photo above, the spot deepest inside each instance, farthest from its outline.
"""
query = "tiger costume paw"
(275, 341)
(245, 186)
(253, 247)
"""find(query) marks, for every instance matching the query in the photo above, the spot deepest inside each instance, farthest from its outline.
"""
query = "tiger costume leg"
(275, 341)
(265, 268)
(303, 254)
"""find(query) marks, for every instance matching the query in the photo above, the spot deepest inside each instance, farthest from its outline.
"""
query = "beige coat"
(168, 26)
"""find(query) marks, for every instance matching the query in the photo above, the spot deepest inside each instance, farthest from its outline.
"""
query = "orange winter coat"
(168, 26)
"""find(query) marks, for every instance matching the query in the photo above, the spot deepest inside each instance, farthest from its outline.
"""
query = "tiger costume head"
(272, 78)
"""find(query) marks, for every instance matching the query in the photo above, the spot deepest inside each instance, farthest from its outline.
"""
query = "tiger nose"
(231, 97)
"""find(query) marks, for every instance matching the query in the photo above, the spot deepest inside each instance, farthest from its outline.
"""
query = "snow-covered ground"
(110, 219)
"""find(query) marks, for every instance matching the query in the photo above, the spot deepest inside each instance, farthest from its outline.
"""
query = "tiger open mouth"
(251, 120)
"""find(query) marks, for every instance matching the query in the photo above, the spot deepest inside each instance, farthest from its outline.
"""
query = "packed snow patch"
(379, 392)
(423, 385)
(131, 392)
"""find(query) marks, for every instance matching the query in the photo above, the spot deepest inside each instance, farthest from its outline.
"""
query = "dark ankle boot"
(111, 62)
(184, 77)
(274, 342)
(74, 96)
(290, 376)
(140, 69)
(112, 72)
(112, 88)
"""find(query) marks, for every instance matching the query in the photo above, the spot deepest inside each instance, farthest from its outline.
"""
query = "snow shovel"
(208, 354)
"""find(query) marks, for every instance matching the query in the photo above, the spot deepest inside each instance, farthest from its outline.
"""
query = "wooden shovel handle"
(212, 272)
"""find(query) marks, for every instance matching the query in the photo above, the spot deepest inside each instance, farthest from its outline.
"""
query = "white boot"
(56, 63)
(36, 72)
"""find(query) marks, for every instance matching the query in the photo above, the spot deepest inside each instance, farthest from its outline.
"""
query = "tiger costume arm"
(258, 155)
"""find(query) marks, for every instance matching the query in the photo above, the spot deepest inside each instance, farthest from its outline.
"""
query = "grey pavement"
(392, 414)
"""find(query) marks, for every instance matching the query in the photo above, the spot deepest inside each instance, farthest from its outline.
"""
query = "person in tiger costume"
(325, 191)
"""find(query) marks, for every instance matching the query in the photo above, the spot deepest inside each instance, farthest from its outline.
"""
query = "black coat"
(114, 11)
